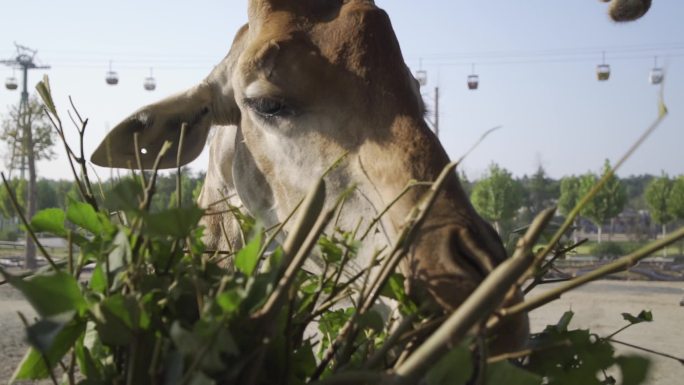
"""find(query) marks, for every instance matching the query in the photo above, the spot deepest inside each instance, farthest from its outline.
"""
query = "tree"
(676, 204)
(568, 199)
(43, 135)
(29, 136)
(539, 190)
(608, 202)
(47, 194)
(497, 197)
(658, 195)
(18, 187)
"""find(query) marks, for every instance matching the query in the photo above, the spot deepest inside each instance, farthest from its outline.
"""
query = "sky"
(536, 60)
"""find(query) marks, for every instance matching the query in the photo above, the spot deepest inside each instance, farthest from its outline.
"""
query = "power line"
(168, 61)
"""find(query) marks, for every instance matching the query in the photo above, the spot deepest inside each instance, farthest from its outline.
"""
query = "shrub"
(10, 235)
(608, 250)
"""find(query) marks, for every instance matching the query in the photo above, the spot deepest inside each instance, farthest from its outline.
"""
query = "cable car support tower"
(25, 61)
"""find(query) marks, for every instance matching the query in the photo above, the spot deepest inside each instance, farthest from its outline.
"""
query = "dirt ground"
(597, 306)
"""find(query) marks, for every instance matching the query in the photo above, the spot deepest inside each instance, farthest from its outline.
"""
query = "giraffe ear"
(156, 124)
(210, 102)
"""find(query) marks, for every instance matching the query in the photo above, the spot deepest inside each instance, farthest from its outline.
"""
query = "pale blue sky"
(536, 60)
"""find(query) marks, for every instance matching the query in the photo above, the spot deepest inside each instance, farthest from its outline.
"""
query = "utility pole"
(435, 122)
(25, 62)
(422, 78)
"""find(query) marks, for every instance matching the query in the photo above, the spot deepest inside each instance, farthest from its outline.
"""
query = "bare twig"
(27, 224)
(46, 361)
(619, 265)
(181, 140)
(481, 302)
(583, 202)
(679, 359)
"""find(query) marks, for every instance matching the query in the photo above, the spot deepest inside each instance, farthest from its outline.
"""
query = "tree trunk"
(31, 191)
(599, 233)
(611, 229)
(664, 233)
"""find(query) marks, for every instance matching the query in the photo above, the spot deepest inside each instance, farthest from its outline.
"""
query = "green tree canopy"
(569, 194)
(18, 187)
(607, 203)
(43, 135)
(497, 196)
(676, 204)
(658, 195)
(539, 191)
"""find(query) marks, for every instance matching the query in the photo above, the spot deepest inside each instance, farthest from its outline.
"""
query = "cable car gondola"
(657, 74)
(112, 78)
(11, 83)
(150, 83)
(473, 80)
(603, 70)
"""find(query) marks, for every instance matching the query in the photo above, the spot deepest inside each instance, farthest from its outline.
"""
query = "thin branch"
(539, 279)
(476, 144)
(80, 119)
(681, 360)
(356, 378)
(583, 202)
(138, 159)
(179, 188)
(275, 299)
(484, 300)
(415, 220)
(27, 224)
(620, 264)
(381, 353)
(46, 361)
(525, 352)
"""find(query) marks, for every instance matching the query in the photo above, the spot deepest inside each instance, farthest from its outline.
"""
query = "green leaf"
(247, 258)
(331, 252)
(303, 361)
(98, 280)
(50, 294)
(118, 317)
(50, 221)
(211, 342)
(454, 368)
(634, 369)
(125, 196)
(564, 321)
(372, 320)
(84, 215)
(230, 300)
(86, 364)
(121, 254)
(176, 222)
(200, 378)
(394, 288)
(32, 366)
(643, 316)
(506, 373)
(42, 334)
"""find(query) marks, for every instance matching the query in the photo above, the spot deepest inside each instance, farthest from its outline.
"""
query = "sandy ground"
(597, 306)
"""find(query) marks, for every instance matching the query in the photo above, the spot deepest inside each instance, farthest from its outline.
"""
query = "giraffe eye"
(269, 107)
